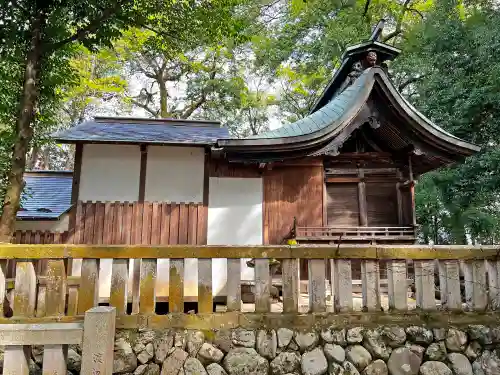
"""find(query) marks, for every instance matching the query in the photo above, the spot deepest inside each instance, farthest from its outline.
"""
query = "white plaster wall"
(234, 218)
(60, 225)
(175, 174)
(110, 173)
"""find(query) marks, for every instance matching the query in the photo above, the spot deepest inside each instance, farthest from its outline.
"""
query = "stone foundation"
(394, 350)
(386, 350)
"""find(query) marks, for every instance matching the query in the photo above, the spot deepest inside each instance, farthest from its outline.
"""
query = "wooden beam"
(206, 179)
(142, 173)
(325, 199)
(399, 199)
(344, 251)
(342, 180)
(363, 210)
(75, 188)
(347, 180)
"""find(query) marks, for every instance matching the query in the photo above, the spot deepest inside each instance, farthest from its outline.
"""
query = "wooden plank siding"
(222, 168)
(291, 191)
(126, 223)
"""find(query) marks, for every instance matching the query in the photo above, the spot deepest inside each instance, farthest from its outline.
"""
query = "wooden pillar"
(412, 193)
(75, 189)
(399, 199)
(142, 173)
(363, 212)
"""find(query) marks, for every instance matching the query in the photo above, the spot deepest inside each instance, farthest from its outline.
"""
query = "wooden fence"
(128, 223)
(56, 295)
(39, 237)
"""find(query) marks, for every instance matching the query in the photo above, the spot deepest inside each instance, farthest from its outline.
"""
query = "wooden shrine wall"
(148, 223)
(129, 223)
(223, 168)
(292, 191)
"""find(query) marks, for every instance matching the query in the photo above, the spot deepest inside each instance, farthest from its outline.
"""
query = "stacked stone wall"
(386, 350)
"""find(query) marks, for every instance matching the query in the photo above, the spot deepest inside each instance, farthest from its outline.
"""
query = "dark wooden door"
(381, 203)
(342, 204)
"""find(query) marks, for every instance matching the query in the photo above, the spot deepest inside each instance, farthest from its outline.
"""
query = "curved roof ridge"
(323, 117)
(426, 123)
(331, 119)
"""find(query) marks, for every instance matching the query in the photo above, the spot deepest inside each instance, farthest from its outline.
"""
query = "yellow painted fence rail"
(468, 279)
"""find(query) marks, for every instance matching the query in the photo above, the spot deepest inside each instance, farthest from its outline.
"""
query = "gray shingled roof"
(47, 195)
(128, 130)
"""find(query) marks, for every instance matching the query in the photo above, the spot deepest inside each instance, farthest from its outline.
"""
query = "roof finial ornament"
(369, 60)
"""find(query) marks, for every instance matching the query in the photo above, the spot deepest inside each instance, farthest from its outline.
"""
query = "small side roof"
(144, 131)
(46, 196)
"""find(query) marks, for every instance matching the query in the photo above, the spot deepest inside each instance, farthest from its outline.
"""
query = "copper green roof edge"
(426, 123)
(323, 117)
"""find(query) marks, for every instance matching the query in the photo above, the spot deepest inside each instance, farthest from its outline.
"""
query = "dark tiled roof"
(47, 195)
(133, 130)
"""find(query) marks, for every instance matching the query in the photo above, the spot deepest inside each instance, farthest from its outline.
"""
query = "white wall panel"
(175, 174)
(110, 173)
(234, 218)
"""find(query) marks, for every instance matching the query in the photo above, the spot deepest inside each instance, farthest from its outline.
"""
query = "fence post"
(98, 341)
(17, 357)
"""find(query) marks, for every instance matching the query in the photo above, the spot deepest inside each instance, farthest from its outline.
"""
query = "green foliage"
(37, 41)
(454, 54)
(304, 44)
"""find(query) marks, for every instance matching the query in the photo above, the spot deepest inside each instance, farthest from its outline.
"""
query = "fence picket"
(449, 284)
(317, 291)
(397, 285)
(493, 268)
(25, 289)
(148, 286)
(290, 272)
(17, 360)
(55, 358)
(370, 279)
(343, 285)
(205, 299)
(176, 287)
(475, 284)
(234, 285)
(262, 286)
(88, 292)
(17, 357)
(119, 277)
(55, 300)
(424, 284)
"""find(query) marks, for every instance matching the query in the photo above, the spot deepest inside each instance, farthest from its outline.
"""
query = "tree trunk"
(163, 97)
(24, 132)
(31, 163)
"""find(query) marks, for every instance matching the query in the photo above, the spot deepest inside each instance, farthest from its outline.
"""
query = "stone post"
(98, 341)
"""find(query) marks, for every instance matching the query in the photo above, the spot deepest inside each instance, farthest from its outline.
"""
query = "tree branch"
(145, 107)
(193, 107)
(416, 11)
(399, 24)
(367, 5)
(91, 27)
(409, 81)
